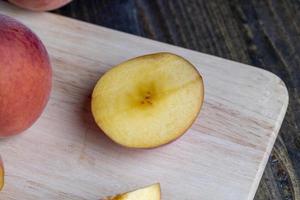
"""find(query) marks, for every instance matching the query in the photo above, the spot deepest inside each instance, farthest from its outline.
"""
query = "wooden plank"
(63, 156)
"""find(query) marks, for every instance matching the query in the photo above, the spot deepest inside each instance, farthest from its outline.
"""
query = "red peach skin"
(40, 5)
(25, 77)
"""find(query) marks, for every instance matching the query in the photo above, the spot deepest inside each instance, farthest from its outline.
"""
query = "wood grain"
(225, 151)
(264, 33)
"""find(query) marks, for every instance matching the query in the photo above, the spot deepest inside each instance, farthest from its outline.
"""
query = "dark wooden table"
(263, 33)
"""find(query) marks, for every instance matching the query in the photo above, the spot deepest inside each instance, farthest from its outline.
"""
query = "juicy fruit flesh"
(148, 193)
(1, 174)
(148, 101)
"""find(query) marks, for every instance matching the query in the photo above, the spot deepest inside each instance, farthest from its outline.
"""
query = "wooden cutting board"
(65, 156)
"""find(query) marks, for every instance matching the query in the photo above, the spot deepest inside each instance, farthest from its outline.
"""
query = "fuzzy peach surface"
(25, 77)
(40, 5)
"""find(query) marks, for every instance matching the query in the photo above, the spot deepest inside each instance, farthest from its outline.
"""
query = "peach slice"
(151, 192)
(148, 101)
(1, 174)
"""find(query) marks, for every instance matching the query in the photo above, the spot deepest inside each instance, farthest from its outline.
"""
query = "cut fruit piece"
(148, 101)
(1, 174)
(151, 192)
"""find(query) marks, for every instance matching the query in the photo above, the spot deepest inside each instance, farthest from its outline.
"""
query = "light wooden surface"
(65, 156)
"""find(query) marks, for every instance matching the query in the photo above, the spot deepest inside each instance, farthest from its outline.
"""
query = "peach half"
(148, 101)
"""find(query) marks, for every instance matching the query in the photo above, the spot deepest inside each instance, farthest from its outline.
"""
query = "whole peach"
(25, 77)
(40, 5)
